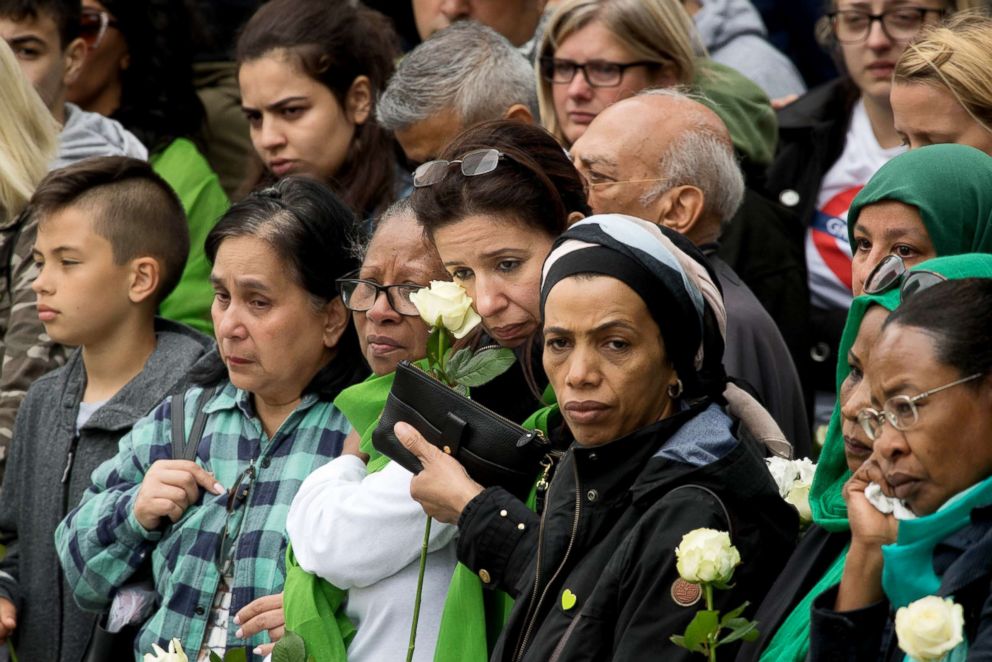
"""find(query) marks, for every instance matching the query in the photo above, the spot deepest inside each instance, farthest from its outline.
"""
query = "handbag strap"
(726, 513)
(183, 449)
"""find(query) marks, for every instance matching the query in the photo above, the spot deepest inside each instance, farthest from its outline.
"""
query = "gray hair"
(467, 67)
(359, 244)
(700, 156)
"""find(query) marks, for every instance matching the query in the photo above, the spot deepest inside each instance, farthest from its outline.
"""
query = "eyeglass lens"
(476, 162)
(901, 24)
(598, 73)
(885, 274)
(361, 295)
(917, 281)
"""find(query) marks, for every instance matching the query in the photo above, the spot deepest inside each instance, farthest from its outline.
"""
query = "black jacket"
(816, 552)
(963, 561)
(812, 133)
(614, 515)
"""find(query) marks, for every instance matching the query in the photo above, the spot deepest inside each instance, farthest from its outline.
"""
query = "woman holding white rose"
(930, 378)
(632, 346)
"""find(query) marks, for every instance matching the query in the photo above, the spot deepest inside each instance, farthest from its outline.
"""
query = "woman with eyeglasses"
(596, 52)
(214, 527)
(831, 141)
(818, 561)
(138, 71)
(355, 531)
(940, 91)
(930, 419)
(932, 201)
(309, 79)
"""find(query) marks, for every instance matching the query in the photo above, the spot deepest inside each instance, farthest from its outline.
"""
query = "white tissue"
(132, 604)
(887, 505)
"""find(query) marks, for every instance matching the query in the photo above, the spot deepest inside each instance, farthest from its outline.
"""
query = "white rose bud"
(174, 654)
(783, 472)
(448, 302)
(798, 496)
(706, 556)
(930, 628)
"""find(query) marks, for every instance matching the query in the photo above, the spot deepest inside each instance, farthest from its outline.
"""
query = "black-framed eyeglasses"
(476, 162)
(900, 410)
(852, 26)
(93, 24)
(360, 295)
(598, 73)
(236, 496)
(891, 270)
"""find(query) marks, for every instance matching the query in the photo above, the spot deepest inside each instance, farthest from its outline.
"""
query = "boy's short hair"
(67, 14)
(133, 208)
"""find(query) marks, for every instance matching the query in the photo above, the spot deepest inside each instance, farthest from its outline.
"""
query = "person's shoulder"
(832, 100)
(87, 134)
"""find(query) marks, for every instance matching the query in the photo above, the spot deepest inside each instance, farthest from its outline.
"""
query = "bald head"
(642, 152)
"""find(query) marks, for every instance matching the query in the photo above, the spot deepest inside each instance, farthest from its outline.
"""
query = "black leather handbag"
(493, 450)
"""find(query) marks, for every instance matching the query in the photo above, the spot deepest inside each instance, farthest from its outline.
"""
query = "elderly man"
(520, 21)
(463, 75)
(667, 158)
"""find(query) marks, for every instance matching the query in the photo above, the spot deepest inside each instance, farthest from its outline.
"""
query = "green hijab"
(951, 186)
(791, 641)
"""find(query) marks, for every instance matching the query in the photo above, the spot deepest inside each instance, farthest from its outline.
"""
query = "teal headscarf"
(791, 641)
(950, 185)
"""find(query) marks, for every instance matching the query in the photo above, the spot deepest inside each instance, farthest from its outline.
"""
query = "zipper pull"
(546, 464)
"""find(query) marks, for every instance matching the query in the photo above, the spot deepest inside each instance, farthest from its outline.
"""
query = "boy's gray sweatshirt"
(47, 473)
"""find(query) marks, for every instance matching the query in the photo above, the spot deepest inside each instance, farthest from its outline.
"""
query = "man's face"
(619, 157)
(423, 141)
(38, 48)
(514, 19)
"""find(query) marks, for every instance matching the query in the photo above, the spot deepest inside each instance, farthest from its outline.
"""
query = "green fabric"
(742, 106)
(188, 173)
(951, 185)
(791, 641)
(313, 610)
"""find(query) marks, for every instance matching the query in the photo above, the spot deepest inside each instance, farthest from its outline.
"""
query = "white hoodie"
(87, 134)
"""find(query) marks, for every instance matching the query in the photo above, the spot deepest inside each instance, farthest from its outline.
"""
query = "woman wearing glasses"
(930, 378)
(353, 526)
(596, 52)
(940, 91)
(138, 71)
(818, 562)
(831, 141)
(214, 528)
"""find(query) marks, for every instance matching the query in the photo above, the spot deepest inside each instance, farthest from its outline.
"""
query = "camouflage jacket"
(26, 351)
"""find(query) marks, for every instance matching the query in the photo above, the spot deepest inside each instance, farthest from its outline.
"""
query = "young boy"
(112, 242)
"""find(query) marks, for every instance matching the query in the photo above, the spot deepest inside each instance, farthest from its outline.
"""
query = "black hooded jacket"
(595, 577)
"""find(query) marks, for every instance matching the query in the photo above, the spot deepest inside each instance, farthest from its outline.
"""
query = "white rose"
(804, 470)
(798, 496)
(706, 556)
(448, 302)
(930, 627)
(174, 654)
(783, 472)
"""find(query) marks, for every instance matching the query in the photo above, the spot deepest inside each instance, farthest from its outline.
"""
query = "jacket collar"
(821, 106)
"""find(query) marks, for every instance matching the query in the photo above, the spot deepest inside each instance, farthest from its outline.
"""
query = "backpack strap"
(183, 449)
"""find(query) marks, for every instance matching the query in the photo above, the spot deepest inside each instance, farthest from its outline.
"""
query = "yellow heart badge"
(567, 600)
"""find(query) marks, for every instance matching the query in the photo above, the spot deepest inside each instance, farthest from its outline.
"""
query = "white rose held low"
(794, 479)
(930, 628)
(174, 654)
(706, 556)
(448, 302)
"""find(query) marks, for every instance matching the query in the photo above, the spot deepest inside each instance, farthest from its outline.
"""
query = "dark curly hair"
(334, 43)
(158, 101)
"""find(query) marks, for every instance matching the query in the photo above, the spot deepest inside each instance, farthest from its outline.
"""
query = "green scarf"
(791, 641)
(742, 106)
(950, 185)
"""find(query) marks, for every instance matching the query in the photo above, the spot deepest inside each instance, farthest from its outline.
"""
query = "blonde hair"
(955, 56)
(653, 30)
(28, 136)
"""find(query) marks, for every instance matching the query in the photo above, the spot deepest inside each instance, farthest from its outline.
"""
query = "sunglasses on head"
(93, 24)
(892, 271)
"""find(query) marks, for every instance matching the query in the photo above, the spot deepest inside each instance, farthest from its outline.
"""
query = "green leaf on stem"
(748, 631)
(483, 367)
(214, 657)
(731, 615)
(290, 648)
(433, 342)
(236, 655)
(453, 364)
(705, 623)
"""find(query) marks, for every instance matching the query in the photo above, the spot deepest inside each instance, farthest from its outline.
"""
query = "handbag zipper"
(535, 608)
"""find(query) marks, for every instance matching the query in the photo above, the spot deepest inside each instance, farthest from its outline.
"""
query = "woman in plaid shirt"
(215, 528)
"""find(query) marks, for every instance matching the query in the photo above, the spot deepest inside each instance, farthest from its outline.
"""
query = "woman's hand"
(443, 488)
(262, 614)
(8, 619)
(869, 527)
(169, 488)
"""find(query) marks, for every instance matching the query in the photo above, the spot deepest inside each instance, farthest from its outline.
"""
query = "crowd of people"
(703, 259)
